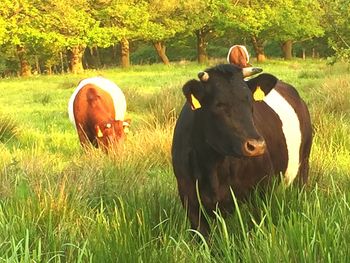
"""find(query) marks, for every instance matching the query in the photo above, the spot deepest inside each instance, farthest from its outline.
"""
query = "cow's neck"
(207, 161)
(205, 155)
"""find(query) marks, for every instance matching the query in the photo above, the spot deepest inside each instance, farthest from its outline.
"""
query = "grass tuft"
(8, 129)
(43, 98)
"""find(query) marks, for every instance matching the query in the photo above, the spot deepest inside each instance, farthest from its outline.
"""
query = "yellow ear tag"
(259, 94)
(99, 132)
(195, 103)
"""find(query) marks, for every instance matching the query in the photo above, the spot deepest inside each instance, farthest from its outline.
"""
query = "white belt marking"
(291, 131)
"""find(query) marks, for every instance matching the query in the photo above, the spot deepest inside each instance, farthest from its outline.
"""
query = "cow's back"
(239, 56)
(91, 105)
(107, 86)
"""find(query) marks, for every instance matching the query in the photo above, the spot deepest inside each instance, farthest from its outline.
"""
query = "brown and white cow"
(239, 56)
(234, 134)
(97, 109)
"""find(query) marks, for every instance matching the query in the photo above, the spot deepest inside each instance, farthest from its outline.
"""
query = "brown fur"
(238, 57)
(93, 110)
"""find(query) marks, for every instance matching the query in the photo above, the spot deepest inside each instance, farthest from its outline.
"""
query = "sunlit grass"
(59, 203)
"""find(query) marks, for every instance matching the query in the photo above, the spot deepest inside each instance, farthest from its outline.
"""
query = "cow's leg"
(196, 217)
(187, 191)
(306, 148)
(304, 171)
(304, 165)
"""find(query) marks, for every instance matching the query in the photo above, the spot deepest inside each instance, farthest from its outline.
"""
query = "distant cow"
(239, 56)
(97, 108)
(236, 134)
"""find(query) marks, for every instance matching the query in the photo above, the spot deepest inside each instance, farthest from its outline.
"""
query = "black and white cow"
(235, 134)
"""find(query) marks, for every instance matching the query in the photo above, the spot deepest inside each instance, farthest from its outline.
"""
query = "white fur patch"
(244, 49)
(108, 86)
(291, 131)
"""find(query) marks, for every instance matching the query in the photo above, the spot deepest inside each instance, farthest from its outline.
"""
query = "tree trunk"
(124, 53)
(160, 48)
(24, 64)
(304, 54)
(202, 46)
(96, 56)
(259, 49)
(287, 49)
(37, 65)
(62, 64)
(114, 52)
(76, 59)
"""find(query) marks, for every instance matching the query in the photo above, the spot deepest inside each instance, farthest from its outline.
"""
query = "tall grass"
(8, 129)
(59, 203)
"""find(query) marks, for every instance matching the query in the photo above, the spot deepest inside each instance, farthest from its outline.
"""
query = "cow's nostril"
(253, 147)
(250, 147)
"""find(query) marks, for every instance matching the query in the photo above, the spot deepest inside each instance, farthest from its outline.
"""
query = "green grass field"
(61, 204)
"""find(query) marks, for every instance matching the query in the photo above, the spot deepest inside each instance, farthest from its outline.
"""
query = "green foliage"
(278, 20)
(3, 30)
(21, 29)
(253, 18)
(45, 33)
(298, 20)
(164, 21)
(210, 16)
(20, 22)
(69, 23)
(123, 19)
(337, 17)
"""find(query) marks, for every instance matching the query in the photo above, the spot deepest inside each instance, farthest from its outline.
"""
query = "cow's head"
(223, 105)
(111, 132)
(239, 56)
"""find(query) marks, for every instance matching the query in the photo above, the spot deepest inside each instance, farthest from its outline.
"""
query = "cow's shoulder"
(287, 90)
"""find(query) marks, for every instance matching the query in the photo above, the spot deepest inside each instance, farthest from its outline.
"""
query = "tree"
(71, 26)
(20, 30)
(337, 26)
(254, 19)
(285, 21)
(297, 21)
(164, 23)
(126, 20)
(205, 18)
(2, 28)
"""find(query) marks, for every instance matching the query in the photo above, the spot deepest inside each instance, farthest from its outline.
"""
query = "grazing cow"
(239, 56)
(233, 135)
(97, 108)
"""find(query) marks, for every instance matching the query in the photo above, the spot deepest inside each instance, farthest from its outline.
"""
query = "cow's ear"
(261, 85)
(194, 93)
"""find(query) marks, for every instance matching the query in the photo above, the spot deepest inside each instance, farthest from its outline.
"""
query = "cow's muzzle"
(253, 147)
